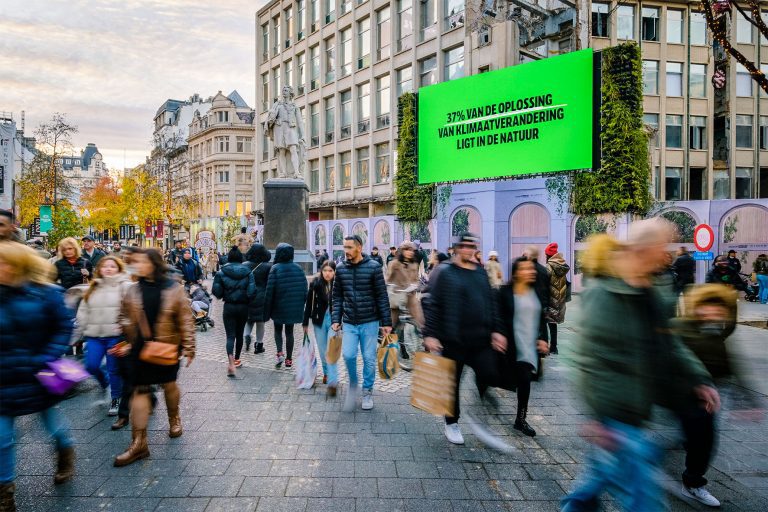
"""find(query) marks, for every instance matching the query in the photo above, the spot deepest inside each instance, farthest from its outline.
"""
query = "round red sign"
(703, 237)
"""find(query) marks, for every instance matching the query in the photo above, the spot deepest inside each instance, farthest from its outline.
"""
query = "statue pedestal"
(285, 218)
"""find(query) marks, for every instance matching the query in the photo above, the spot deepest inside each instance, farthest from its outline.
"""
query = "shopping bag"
(386, 356)
(333, 353)
(61, 375)
(306, 365)
(434, 384)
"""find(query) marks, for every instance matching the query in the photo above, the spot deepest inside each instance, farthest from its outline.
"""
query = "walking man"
(360, 301)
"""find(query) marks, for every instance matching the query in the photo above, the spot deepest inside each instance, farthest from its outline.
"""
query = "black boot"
(522, 425)
(7, 503)
(259, 348)
(247, 342)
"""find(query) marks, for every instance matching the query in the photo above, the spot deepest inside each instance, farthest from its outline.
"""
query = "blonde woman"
(97, 317)
(35, 327)
(71, 268)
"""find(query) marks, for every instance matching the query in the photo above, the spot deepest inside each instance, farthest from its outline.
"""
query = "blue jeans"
(54, 424)
(322, 334)
(95, 350)
(763, 282)
(366, 337)
(629, 472)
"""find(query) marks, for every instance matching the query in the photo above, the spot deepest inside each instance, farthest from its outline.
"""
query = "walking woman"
(257, 259)
(284, 301)
(557, 269)
(155, 310)
(98, 317)
(403, 274)
(71, 268)
(525, 328)
(318, 307)
(35, 327)
(231, 286)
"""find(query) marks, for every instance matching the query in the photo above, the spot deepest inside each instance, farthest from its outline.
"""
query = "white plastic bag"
(306, 365)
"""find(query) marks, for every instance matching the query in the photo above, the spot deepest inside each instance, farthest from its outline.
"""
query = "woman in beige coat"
(402, 273)
(554, 313)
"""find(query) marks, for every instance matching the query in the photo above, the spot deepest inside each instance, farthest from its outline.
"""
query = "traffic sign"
(703, 256)
(703, 237)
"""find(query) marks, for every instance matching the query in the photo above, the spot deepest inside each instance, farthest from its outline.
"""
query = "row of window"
(243, 177)
(649, 24)
(221, 144)
(222, 207)
(277, 35)
(697, 79)
(697, 131)
(744, 178)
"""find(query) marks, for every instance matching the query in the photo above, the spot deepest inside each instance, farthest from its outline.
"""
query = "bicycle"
(409, 335)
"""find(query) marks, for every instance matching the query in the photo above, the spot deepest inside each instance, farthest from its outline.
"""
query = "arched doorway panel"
(529, 224)
(744, 229)
(585, 226)
(467, 218)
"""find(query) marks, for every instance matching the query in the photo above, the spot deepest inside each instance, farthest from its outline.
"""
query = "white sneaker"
(367, 399)
(453, 433)
(702, 495)
(114, 407)
(350, 400)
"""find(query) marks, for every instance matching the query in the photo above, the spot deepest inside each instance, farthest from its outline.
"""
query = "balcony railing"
(346, 132)
(314, 141)
(328, 137)
(382, 121)
(454, 20)
(363, 126)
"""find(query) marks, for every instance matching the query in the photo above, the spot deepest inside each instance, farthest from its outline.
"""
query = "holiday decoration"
(718, 79)
(721, 6)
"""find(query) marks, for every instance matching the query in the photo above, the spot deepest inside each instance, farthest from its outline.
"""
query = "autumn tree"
(55, 139)
(141, 196)
(103, 206)
(66, 223)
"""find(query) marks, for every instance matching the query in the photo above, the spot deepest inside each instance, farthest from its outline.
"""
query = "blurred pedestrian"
(35, 328)
(392, 254)
(90, 251)
(318, 309)
(175, 255)
(685, 269)
(625, 367)
(117, 248)
(243, 241)
(402, 280)
(734, 261)
(493, 269)
(231, 285)
(760, 268)
(284, 301)
(375, 256)
(155, 310)
(98, 319)
(8, 230)
(38, 247)
(723, 273)
(71, 268)
(542, 276)
(557, 269)
(190, 269)
(479, 258)
(257, 259)
(360, 301)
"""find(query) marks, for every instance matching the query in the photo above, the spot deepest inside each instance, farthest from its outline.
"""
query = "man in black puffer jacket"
(360, 301)
(231, 284)
(284, 301)
(257, 259)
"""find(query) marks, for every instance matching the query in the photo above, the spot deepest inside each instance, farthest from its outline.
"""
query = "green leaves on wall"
(414, 201)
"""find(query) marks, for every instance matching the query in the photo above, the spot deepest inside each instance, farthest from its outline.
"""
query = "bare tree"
(54, 138)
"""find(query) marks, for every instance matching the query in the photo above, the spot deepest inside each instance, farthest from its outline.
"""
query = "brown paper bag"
(333, 352)
(434, 384)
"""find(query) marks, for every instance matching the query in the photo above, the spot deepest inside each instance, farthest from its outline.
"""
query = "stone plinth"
(285, 218)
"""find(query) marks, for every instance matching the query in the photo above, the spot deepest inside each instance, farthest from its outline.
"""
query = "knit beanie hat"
(551, 249)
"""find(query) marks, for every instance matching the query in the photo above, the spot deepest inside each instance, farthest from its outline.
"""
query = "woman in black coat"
(257, 259)
(71, 268)
(284, 300)
(318, 309)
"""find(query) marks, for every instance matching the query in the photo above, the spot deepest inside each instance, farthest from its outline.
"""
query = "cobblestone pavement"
(257, 444)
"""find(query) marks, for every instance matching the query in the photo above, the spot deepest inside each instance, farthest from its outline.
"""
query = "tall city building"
(82, 171)
(16, 151)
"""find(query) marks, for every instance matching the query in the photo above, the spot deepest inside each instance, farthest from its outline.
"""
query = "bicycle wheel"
(410, 343)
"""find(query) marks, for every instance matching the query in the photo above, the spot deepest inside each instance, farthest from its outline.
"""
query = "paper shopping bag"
(434, 384)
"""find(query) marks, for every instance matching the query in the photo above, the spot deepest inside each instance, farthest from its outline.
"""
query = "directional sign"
(703, 237)
(703, 256)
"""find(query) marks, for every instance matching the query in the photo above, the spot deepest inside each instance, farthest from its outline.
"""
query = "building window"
(276, 83)
(244, 144)
(743, 30)
(346, 6)
(764, 133)
(223, 208)
(652, 122)
(276, 35)
(346, 169)
(696, 183)
(265, 42)
(383, 33)
(314, 125)
(265, 92)
(329, 119)
(300, 13)
(698, 28)
(364, 43)
(244, 176)
(743, 82)
(222, 117)
(382, 162)
(744, 182)
(743, 131)
(673, 184)
(314, 70)
(674, 26)
(650, 77)
(363, 107)
(314, 176)
(329, 179)
(264, 147)
(301, 71)
(454, 13)
(764, 16)
(427, 19)
(721, 185)
(764, 69)
(330, 60)
(650, 24)
(222, 144)
(625, 28)
(314, 12)
(363, 171)
(697, 136)
(428, 71)
(346, 114)
(404, 24)
(674, 79)
(223, 176)
(382, 102)
(454, 63)
(404, 81)
(674, 131)
(697, 75)
(288, 73)
(600, 16)
(346, 51)
(330, 10)
(288, 19)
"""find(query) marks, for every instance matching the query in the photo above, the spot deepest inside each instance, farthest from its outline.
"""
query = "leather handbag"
(156, 352)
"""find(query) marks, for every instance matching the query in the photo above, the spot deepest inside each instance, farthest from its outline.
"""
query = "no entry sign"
(703, 237)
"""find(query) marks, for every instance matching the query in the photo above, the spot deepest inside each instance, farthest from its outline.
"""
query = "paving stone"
(217, 486)
(123, 487)
(310, 487)
(380, 468)
(355, 488)
(330, 505)
(264, 486)
(412, 469)
(232, 505)
(406, 488)
(379, 505)
(183, 505)
(170, 487)
(282, 505)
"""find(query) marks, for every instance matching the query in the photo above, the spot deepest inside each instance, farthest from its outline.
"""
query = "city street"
(257, 443)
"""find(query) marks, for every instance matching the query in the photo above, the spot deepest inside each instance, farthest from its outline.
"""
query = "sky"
(110, 64)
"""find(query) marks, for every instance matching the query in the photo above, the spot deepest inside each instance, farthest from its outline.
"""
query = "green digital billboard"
(526, 119)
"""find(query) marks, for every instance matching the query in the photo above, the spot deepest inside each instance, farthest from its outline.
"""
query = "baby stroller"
(201, 304)
(751, 289)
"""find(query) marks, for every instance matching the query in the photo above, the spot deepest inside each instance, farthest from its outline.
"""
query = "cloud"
(110, 64)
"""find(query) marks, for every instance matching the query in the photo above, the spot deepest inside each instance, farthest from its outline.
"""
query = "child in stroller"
(201, 306)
